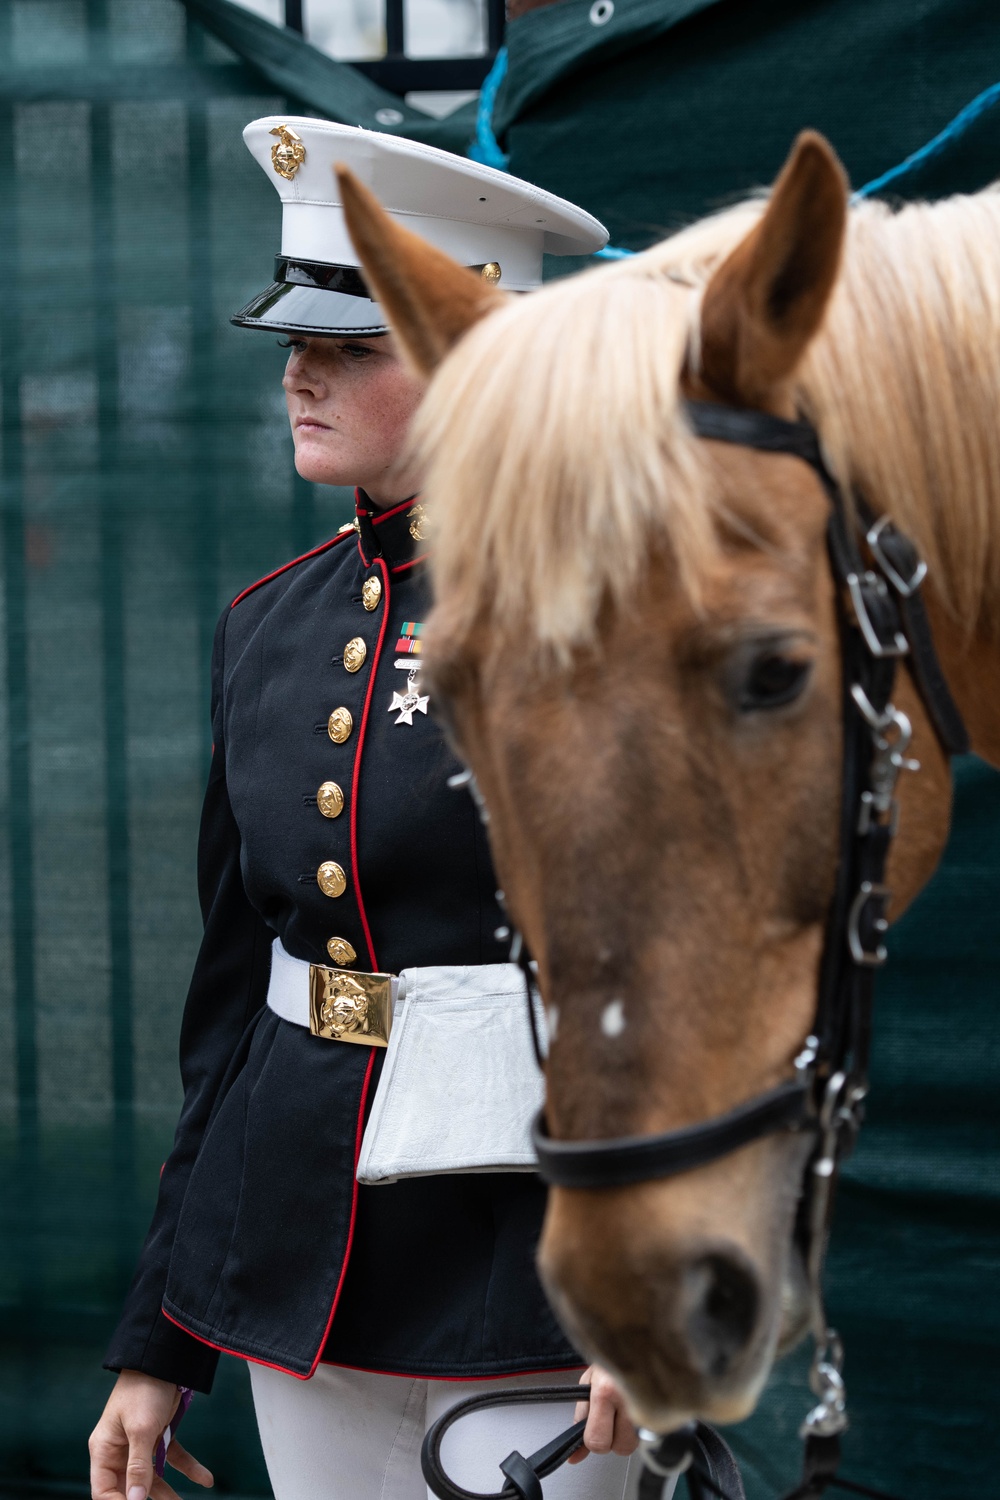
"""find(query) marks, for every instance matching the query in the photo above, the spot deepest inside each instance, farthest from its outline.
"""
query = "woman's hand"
(608, 1427)
(123, 1443)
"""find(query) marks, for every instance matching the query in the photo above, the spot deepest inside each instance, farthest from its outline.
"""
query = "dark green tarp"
(145, 477)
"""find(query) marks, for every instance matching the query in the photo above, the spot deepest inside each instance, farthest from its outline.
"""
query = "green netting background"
(146, 477)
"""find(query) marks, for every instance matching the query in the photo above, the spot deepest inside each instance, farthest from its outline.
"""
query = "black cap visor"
(321, 300)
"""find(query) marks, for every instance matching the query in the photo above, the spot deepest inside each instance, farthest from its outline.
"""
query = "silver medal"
(410, 701)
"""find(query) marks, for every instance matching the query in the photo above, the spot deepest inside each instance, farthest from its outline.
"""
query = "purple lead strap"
(169, 1433)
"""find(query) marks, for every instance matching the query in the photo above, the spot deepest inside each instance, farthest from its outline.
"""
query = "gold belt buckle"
(349, 1007)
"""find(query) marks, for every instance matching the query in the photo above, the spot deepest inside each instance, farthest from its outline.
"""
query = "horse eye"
(773, 681)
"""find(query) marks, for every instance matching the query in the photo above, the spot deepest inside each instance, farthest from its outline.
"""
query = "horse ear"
(429, 299)
(767, 299)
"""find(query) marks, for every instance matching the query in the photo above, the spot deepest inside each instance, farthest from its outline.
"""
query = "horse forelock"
(556, 451)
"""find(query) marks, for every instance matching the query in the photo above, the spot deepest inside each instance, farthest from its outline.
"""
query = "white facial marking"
(552, 1016)
(613, 1018)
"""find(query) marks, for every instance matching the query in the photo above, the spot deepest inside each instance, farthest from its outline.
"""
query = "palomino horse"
(635, 644)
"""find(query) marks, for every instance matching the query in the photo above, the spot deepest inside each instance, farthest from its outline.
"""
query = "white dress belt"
(460, 1084)
(288, 990)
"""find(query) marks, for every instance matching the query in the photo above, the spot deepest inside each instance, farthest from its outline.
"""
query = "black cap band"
(347, 279)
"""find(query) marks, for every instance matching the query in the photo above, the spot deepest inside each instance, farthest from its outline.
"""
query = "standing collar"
(390, 533)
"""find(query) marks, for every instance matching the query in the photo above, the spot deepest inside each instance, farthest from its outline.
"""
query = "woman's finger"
(185, 1463)
(108, 1457)
(106, 1480)
(142, 1440)
(599, 1432)
(579, 1415)
(582, 1406)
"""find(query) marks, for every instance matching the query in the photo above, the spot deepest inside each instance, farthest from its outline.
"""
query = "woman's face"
(350, 401)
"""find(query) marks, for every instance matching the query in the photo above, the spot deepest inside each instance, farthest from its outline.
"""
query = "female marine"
(334, 857)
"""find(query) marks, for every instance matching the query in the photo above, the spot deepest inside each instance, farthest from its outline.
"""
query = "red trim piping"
(341, 535)
(402, 567)
(354, 1205)
(343, 1269)
(383, 515)
(237, 1353)
(380, 564)
(335, 1364)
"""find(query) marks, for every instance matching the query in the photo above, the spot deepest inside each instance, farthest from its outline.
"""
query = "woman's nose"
(302, 375)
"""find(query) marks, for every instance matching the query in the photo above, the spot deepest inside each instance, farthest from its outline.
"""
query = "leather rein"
(882, 621)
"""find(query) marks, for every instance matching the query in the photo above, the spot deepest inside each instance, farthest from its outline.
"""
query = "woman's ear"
(429, 299)
(766, 301)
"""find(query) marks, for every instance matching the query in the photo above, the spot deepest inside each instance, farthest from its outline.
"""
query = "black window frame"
(401, 74)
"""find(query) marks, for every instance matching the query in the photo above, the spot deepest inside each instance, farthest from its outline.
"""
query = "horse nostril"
(722, 1300)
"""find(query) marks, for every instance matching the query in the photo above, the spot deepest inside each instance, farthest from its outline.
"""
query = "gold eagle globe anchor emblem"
(289, 153)
(345, 1006)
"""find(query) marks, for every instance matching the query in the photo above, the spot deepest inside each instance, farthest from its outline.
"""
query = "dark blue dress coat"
(262, 1244)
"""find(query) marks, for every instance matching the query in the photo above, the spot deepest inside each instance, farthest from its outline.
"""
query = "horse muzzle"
(688, 1325)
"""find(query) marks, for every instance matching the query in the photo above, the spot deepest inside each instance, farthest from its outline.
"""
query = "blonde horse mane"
(556, 452)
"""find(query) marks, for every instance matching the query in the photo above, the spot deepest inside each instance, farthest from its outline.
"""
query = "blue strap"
(486, 148)
(951, 132)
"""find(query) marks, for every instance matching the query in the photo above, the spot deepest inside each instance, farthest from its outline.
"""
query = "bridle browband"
(881, 621)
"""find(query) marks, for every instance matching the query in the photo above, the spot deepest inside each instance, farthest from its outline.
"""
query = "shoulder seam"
(315, 552)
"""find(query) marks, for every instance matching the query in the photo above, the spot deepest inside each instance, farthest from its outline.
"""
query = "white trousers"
(351, 1435)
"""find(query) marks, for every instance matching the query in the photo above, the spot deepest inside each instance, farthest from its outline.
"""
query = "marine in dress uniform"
(329, 824)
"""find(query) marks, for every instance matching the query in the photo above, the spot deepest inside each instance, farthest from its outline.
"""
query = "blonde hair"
(556, 452)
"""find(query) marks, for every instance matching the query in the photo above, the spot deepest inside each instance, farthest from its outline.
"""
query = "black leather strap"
(717, 1459)
(639, 1158)
(754, 429)
(521, 1481)
(522, 1476)
(900, 562)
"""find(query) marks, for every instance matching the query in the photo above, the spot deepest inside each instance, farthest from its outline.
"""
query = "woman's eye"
(773, 680)
(297, 344)
(356, 351)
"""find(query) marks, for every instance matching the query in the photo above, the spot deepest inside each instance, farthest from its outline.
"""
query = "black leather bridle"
(882, 621)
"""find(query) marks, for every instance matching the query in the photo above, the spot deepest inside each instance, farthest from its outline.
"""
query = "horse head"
(635, 647)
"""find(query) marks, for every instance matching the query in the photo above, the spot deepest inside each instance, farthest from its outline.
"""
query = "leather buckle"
(882, 537)
(349, 1007)
(868, 927)
(869, 594)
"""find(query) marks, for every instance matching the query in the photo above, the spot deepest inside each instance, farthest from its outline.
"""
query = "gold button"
(354, 654)
(491, 271)
(330, 800)
(339, 725)
(331, 879)
(371, 593)
(341, 951)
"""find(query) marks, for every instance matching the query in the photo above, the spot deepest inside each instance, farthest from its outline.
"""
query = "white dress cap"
(483, 218)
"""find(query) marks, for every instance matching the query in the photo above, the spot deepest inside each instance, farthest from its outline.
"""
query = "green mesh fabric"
(146, 477)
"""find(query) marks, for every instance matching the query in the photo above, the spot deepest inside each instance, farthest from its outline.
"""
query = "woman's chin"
(318, 467)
